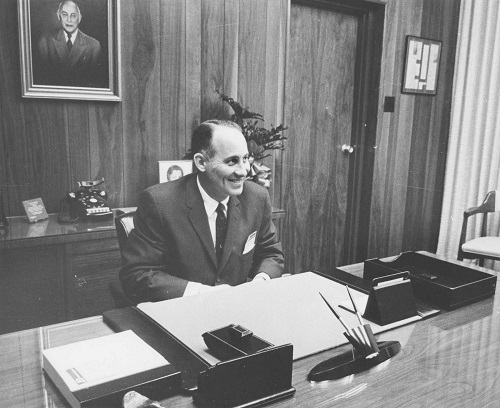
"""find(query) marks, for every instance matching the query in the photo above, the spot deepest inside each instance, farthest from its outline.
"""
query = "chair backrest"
(124, 224)
(489, 205)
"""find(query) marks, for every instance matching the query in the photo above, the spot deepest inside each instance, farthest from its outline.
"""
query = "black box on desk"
(445, 284)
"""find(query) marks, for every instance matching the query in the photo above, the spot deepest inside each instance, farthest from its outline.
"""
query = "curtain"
(473, 162)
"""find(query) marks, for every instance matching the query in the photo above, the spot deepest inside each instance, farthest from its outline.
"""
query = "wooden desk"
(451, 360)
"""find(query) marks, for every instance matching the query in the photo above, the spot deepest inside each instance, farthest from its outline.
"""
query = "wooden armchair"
(482, 247)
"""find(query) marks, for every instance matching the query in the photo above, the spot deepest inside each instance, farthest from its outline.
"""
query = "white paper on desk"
(281, 311)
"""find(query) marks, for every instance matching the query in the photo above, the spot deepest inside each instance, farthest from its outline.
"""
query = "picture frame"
(89, 68)
(170, 170)
(421, 70)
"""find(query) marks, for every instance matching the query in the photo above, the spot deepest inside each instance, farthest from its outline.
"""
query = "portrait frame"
(421, 69)
(100, 21)
(165, 167)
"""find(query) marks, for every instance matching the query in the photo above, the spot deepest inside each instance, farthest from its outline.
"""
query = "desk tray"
(445, 284)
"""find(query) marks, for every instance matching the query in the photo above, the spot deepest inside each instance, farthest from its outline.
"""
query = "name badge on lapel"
(250, 242)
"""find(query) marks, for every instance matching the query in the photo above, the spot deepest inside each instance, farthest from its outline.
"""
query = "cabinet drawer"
(88, 285)
(94, 246)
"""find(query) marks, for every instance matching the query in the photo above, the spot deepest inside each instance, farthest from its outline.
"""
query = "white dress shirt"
(194, 288)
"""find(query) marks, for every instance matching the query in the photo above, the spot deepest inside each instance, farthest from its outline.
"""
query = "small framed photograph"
(421, 70)
(35, 210)
(170, 170)
(70, 49)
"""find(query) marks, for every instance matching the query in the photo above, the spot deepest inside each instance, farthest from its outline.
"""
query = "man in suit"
(172, 250)
(67, 56)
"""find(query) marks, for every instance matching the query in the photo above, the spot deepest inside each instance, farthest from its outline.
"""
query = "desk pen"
(358, 315)
(357, 334)
(336, 314)
(356, 310)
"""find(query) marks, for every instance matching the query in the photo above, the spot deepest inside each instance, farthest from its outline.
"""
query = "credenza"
(52, 272)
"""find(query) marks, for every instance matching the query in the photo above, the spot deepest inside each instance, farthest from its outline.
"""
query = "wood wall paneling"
(174, 140)
(77, 135)
(212, 57)
(412, 142)
(141, 95)
(393, 149)
(174, 53)
(426, 182)
(193, 37)
(13, 154)
(47, 160)
(106, 149)
(231, 51)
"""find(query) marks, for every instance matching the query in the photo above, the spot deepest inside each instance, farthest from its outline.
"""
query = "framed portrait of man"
(70, 49)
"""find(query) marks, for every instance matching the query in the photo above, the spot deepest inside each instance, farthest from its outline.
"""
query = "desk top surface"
(21, 233)
(450, 360)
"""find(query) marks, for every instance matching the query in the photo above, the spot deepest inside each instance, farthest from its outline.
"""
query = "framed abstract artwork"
(421, 71)
(70, 49)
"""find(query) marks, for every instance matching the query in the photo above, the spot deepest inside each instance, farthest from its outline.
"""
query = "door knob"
(347, 149)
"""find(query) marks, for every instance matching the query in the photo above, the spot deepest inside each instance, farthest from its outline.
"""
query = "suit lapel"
(60, 44)
(198, 218)
(233, 222)
(79, 46)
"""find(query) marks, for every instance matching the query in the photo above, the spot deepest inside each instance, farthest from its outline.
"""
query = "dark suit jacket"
(55, 65)
(171, 242)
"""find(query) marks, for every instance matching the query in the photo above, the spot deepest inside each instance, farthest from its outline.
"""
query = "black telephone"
(88, 203)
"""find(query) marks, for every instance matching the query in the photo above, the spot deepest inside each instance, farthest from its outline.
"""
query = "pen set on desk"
(369, 352)
(361, 337)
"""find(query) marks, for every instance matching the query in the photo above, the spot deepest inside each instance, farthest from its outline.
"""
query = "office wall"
(174, 54)
(412, 142)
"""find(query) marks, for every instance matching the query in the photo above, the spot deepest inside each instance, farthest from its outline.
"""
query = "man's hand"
(261, 277)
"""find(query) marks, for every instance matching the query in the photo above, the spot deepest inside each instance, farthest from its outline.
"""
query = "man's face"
(225, 172)
(70, 17)
(176, 174)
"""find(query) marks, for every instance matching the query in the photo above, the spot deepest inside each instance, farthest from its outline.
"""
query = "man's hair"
(173, 168)
(63, 3)
(201, 142)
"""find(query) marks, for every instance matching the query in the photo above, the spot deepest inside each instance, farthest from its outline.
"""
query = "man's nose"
(243, 168)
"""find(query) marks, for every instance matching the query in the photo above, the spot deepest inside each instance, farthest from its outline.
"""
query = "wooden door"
(328, 99)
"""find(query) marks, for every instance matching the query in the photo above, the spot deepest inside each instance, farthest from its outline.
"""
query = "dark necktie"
(220, 231)
(69, 43)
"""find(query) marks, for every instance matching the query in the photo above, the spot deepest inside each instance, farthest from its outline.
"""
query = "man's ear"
(200, 162)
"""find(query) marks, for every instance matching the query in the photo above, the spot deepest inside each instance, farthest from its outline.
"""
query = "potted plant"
(260, 141)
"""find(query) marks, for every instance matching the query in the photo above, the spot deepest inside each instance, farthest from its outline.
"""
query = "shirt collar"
(73, 35)
(210, 204)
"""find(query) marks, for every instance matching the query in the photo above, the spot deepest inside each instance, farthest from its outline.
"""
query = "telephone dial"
(88, 203)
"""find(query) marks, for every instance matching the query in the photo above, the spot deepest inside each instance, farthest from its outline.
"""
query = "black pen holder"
(367, 354)
(363, 340)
